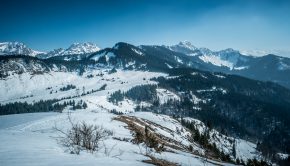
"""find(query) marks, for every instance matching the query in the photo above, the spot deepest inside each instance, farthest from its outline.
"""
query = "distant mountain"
(266, 68)
(228, 58)
(256, 52)
(17, 48)
(185, 47)
(74, 49)
(160, 58)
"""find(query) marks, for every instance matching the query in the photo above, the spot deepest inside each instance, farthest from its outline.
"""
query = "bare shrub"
(83, 136)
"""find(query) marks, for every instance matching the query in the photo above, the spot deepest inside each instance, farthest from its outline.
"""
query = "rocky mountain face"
(16, 48)
(266, 68)
(76, 51)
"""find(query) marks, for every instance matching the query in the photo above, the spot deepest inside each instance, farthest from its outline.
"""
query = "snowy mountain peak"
(16, 48)
(187, 44)
(81, 48)
(74, 49)
(184, 47)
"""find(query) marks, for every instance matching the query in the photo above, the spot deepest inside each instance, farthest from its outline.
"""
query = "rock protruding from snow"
(17, 48)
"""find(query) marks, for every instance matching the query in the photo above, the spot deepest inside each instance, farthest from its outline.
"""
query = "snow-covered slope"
(228, 58)
(17, 86)
(16, 48)
(185, 47)
(244, 149)
(42, 140)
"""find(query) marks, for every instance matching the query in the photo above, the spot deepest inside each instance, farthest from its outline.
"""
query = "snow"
(195, 99)
(107, 55)
(7, 121)
(169, 66)
(216, 60)
(283, 66)
(74, 49)
(244, 149)
(165, 121)
(187, 45)
(283, 156)
(81, 48)
(10, 48)
(241, 68)
(16, 87)
(35, 142)
(178, 60)
(219, 76)
(42, 148)
(26, 139)
(224, 91)
(194, 73)
(137, 51)
(165, 95)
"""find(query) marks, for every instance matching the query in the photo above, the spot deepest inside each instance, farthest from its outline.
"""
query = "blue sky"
(216, 24)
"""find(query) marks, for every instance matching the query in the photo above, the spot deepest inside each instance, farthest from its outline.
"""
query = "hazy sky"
(216, 24)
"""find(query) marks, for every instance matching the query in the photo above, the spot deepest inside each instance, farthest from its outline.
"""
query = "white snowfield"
(31, 139)
(17, 87)
(35, 142)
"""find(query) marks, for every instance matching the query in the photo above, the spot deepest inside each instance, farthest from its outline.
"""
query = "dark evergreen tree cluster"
(255, 162)
(203, 140)
(79, 105)
(112, 71)
(116, 97)
(40, 106)
(67, 87)
(142, 93)
(138, 93)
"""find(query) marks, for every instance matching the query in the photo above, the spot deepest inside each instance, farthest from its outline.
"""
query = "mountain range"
(234, 107)
(265, 68)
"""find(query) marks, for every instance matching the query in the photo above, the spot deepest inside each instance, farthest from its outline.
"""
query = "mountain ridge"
(266, 68)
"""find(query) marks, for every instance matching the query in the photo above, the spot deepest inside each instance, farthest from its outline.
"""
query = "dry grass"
(159, 162)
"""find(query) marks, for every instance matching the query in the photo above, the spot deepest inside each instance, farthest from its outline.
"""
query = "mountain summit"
(18, 48)
(13, 48)
(74, 49)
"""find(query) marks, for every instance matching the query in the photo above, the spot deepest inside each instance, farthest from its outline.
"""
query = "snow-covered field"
(31, 139)
(35, 141)
(30, 88)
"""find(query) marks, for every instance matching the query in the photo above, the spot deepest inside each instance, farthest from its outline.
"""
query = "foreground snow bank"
(35, 141)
